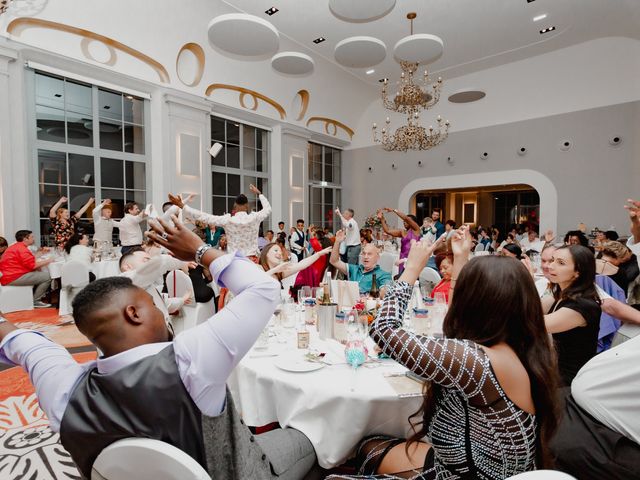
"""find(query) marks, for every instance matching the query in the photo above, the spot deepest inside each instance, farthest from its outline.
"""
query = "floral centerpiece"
(373, 222)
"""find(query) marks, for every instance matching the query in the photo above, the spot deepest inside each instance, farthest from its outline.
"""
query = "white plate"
(296, 363)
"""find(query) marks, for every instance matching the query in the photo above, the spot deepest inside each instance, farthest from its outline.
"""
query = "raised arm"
(633, 207)
(385, 227)
(207, 354)
(51, 369)
(56, 206)
(334, 259)
(412, 224)
(80, 212)
(266, 206)
(97, 212)
(292, 268)
(458, 364)
(461, 242)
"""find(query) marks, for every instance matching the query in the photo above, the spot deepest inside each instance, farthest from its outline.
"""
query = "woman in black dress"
(573, 311)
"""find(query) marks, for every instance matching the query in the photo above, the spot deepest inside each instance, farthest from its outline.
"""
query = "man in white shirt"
(352, 232)
(599, 436)
(103, 223)
(131, 333)
(130, 231)
(532, 242)
(241, 229)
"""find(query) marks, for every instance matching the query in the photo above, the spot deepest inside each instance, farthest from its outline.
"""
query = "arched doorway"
(542, 184)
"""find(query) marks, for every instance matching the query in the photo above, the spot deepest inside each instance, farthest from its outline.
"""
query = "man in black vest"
(147, 384)
(297, 239)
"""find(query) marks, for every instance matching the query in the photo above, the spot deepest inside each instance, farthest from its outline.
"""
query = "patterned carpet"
(29, 450)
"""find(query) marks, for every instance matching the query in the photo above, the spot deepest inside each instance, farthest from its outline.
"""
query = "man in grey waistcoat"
(148, 384)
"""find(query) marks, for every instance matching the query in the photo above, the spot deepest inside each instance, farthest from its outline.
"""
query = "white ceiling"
(477, 34)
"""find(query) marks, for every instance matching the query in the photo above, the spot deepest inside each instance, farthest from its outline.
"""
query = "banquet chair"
(194, 314)
(145, 459)
(542, 475)
(429, 278)
(289, 282)
(387, 261)
(15, 298)
(75, 276)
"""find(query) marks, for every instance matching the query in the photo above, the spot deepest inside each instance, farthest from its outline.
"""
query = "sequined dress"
(476, 432)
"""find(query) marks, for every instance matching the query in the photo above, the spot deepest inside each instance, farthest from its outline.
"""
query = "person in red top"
(19, 267)
(444, 265)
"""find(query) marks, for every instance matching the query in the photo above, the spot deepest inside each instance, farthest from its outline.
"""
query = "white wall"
(592, 179)
(588, 75)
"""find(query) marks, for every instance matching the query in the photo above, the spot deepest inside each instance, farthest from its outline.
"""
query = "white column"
(7, 179)
(295, 177)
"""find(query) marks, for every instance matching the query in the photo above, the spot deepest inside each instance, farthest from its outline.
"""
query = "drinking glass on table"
(304, 293)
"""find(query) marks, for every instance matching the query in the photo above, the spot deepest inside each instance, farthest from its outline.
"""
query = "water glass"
(440, 298)
(303, 294)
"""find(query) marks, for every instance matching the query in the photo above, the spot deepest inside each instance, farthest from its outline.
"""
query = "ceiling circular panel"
(467, 96)
(420, 48)
(360, 52)
(292, 63)
(360, 11)
(243, 34)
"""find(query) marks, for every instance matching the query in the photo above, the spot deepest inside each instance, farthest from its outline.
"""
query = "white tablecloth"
(321, 404)
(105, 268)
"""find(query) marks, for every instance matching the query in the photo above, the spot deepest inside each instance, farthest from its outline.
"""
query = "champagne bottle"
(374, 292)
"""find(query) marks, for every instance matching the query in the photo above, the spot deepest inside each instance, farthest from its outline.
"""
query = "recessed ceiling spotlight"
(547, 30)
(537, 18)
(271, 11)
(106, 107)
(369, 72)
(319, 40)
(382, 80)
(529, 1)
(57, 95)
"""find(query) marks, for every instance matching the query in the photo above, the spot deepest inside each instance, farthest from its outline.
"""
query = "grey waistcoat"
(148, 399)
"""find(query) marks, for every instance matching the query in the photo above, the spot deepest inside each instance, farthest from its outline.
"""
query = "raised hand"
(549, 236)
(178, 239)
(254, 189)
(325, 251)
(188, 199)
(63, 200)
(340, 236)
(633, 207)
(176, 200)
(387, 209)
(379, 214)
(461, 242)
(107, 201)
(418, 257)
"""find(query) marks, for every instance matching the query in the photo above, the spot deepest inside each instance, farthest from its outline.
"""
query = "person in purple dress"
(411, 231)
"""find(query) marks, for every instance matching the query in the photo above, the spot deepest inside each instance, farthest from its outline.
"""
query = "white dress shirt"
(608, 387)
(130, 231)
(241, 229)
(205, 354)
(103, 227)
(351, 231)
(80, 253)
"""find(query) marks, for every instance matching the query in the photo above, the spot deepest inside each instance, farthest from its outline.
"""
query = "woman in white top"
(78, 249)
(272, 262)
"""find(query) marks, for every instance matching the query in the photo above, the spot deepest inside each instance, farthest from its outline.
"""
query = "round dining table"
(325, 399)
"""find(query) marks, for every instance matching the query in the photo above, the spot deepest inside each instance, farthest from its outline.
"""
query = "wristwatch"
(202, 249)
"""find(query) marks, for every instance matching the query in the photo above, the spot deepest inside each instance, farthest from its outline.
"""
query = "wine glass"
(304, 293)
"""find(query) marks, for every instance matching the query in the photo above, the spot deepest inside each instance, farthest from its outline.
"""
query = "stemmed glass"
(355, 350)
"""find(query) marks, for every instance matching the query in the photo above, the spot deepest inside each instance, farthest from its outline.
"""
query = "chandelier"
(410, 99)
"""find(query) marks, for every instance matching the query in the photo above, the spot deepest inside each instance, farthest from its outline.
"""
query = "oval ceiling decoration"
(467, 96)
(360, 52)
(419, 48)
(242, 34)
(360, 11)
(190, 64)
(292, 63)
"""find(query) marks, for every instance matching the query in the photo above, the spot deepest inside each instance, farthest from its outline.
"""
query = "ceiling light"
(106, 107)
(539, 17)
(130, 97)
(57, 95)
(369, 72)
(382, 80)
(547, 30)
(319, 40)
(271, 11)
(529, 1)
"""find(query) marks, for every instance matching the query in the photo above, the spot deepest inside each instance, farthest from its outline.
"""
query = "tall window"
(325, 187)
(243, 160)
(90, 143)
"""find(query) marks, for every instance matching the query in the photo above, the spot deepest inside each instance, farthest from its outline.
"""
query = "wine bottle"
(374, 292)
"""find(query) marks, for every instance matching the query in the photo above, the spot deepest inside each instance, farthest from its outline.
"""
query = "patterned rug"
(29, 450)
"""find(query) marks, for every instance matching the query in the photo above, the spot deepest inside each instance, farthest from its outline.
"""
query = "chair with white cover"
(542, 475)
(387, 261)
(75, 276)
(15, 299)
(145, 459)
(289, 282)
(429, 278)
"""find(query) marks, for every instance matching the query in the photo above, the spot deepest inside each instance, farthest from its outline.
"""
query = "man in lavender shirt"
(123, 322)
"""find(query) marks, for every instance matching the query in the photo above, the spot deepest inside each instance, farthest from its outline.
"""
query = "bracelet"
(202, 249)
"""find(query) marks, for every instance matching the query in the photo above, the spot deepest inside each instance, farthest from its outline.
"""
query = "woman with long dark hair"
(272, 262)
(573, 311)
(409, 233)
(489, 407)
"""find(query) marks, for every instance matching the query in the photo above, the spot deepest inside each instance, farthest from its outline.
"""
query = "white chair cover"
(145, 459)
(179, 283)
(542, 475)
(289, 281)
(15, 299)
(75, 276)
(387, 261)
(428, 274)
